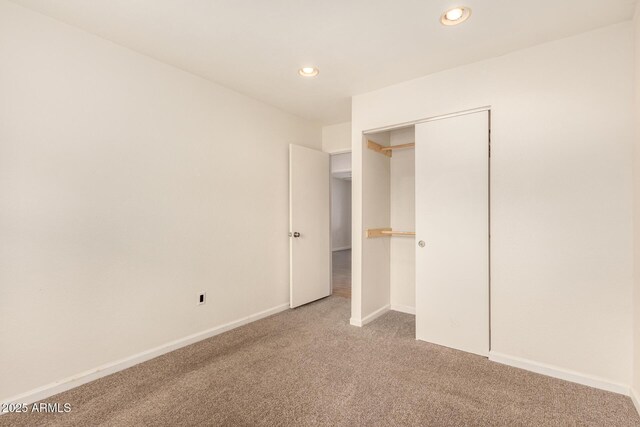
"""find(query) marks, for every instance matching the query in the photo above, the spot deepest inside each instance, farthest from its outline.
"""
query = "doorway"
(341, 224)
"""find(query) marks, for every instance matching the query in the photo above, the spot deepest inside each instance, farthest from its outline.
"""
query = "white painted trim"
(340, 151)
(344, 248)
(557, 372)
(373, 316)
(355, 322)
(635, 398)
(341, 171)
(403, 309)
(73, 381)
(428, 119)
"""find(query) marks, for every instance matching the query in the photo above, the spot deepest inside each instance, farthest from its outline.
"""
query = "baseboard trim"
(560, 373)
(373, 316)
(68, 383)
(635, 398)
(341, 249)
(403, 309)
(369, 318)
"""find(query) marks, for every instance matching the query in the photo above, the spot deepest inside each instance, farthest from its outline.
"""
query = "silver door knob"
(296, 234)
(421, 243)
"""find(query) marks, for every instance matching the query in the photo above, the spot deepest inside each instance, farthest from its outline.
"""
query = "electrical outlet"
(202, 298)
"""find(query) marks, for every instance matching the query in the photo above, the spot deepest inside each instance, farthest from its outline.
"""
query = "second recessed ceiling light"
(455, 16)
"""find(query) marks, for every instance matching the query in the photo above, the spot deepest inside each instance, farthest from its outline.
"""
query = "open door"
(452, 232)
(309, 225)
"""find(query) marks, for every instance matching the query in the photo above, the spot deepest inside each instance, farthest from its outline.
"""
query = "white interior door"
(452, 221)
(309, 225)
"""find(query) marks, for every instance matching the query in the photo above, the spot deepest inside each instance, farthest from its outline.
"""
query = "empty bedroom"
(341, 213)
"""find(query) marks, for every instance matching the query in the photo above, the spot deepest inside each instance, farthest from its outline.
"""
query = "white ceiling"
(257, 46)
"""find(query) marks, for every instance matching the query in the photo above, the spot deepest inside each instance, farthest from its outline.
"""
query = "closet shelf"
(387, 150)
(387, 232)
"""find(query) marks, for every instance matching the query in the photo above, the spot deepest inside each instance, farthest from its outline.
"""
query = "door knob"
(296, 234)
(421, 243)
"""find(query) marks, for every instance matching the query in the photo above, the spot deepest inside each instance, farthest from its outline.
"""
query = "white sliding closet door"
(452, 219)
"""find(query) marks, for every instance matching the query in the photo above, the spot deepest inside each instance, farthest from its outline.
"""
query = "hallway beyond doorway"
(341, 276)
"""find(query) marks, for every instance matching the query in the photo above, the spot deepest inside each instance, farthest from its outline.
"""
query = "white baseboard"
(556, 372)
(403, 308)
(635, 398)
(73, 381)
(344, 248)
(371, 317)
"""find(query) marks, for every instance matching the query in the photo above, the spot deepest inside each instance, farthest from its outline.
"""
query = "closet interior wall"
(388, 263)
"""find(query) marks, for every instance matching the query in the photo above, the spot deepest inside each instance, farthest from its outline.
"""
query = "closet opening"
(389, 220)
(341, 225)
(425, 247)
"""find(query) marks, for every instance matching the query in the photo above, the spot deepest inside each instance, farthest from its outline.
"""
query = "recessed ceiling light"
(455, 16)
(308, 71)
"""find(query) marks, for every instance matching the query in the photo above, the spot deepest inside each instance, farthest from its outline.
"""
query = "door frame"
(487, 108)
(331, 154)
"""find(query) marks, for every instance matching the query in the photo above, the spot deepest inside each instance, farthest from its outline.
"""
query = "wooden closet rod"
(384, 232)
(396, 147)
(387, 150)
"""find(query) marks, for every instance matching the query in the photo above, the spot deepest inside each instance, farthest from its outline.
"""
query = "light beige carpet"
(310, 367)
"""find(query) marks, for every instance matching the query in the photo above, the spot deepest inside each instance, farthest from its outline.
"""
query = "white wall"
(336, 138)
(374, 211)
(636, 299)
(561, 196)
(340, 214)
(126, 187)
(403, 252)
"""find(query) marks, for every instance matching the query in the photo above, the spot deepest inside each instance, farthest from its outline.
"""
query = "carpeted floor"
(309, 366)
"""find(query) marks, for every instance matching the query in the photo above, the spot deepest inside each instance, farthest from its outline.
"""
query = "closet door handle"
(421, 243)
(296, 234)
